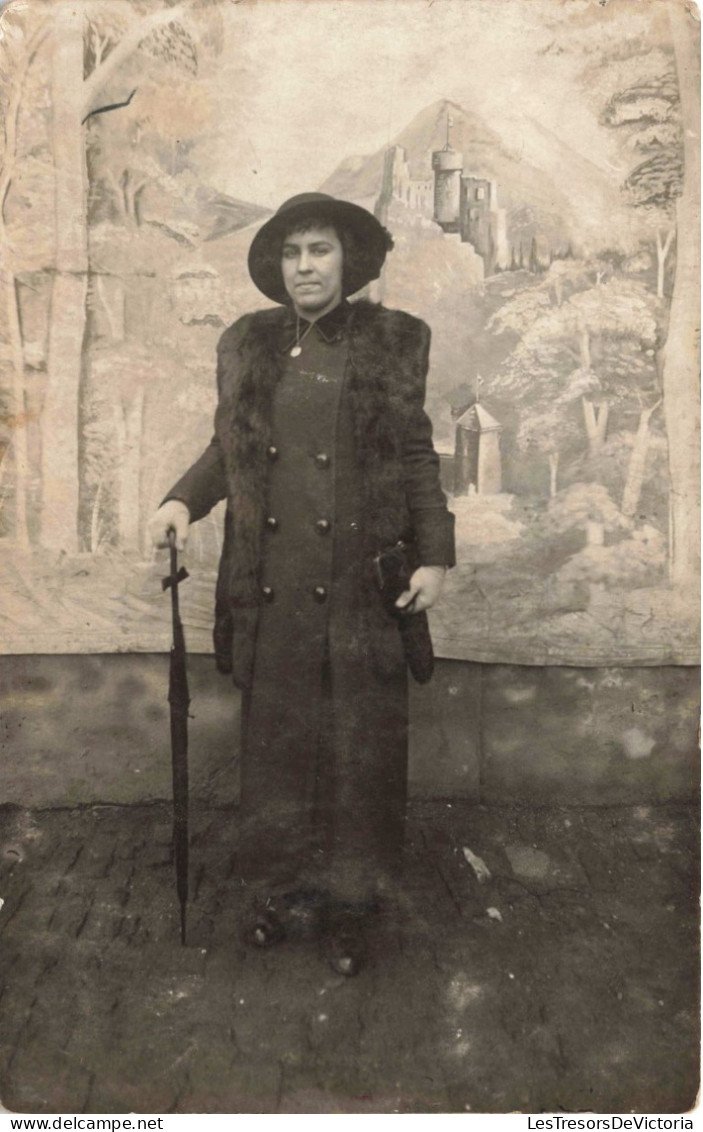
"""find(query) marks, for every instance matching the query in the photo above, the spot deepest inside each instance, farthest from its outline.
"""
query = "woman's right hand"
(173, 515)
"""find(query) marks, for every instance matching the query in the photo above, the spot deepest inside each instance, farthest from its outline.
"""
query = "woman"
(324, 454)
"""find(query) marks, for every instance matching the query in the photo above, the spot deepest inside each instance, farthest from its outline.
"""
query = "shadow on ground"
(567, 980)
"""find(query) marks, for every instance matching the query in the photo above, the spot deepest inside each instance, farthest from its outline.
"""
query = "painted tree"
(19, 46)
(620, 311)
(547, 425)
(140, 147)
(127, 307)
(59, 462)
(647, 96)
(578, 311)
(680, 357)
(566, 276)
(652, 102)
(145, 146)
(645, 111)
(657, 110)
(85, 69)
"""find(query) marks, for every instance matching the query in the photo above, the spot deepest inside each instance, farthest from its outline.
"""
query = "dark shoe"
(264, 928)
(344, 939)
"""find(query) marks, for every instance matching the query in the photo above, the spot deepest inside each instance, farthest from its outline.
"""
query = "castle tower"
(476, 207)
(447, 164)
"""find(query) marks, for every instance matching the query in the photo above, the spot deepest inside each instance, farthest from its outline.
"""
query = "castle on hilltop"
(460, 203)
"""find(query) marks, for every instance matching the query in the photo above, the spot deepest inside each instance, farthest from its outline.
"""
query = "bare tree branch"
(112, 106)
(127, 45)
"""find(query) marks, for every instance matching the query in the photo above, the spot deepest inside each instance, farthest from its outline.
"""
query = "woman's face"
(311, 263)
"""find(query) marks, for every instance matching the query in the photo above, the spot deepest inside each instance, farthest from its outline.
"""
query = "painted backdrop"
(537, 163)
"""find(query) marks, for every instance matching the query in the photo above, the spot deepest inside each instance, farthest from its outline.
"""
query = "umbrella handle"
(174, 578)
(171, 534)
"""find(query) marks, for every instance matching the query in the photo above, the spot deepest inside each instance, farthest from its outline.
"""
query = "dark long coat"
(324, 461)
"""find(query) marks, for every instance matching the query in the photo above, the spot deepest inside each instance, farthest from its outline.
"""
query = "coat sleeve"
(433, 523)
(205, 482)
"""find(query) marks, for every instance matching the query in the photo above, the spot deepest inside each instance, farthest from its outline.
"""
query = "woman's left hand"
(424, 590)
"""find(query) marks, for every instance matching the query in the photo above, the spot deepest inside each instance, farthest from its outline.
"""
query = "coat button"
(272, 452)
(267, 593)
(272, 523)
(322, 460)
(320, 594)
(322, 526)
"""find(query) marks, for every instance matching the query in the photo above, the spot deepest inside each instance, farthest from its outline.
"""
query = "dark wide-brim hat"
(265, 251)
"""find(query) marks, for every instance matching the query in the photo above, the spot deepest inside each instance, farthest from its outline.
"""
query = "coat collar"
(330, 328)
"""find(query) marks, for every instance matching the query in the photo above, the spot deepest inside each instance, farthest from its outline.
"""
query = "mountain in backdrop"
(191, 212)
(535, 205)
(221, 214)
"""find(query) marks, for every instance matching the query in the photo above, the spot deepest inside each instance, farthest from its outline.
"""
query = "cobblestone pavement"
(567, 980)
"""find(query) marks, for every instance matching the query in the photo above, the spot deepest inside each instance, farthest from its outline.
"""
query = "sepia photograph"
(349, 556)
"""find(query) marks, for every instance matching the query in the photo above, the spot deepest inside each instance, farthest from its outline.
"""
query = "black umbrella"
(179, 699)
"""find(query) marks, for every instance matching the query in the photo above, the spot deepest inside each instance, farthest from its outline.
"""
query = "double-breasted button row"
(322, 459)
(322, 526)
(319, 594)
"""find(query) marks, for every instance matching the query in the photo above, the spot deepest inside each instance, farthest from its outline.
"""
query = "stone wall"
(82, 729)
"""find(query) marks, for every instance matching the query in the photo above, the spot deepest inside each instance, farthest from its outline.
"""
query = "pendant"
(296, 352)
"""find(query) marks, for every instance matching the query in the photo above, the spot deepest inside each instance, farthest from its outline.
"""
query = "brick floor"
(577, 991)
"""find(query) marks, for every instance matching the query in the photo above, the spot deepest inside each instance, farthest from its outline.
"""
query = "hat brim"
(265, 252)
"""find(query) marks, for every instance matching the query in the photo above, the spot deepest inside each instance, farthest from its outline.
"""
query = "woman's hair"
(359, 260)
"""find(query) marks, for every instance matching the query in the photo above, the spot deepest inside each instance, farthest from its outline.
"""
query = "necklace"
(297, 349)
